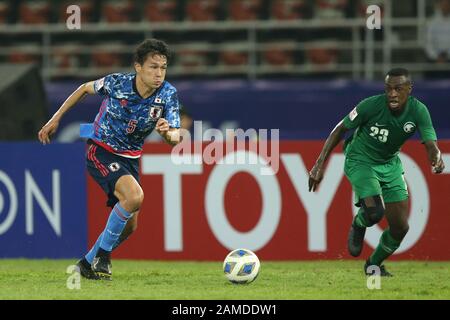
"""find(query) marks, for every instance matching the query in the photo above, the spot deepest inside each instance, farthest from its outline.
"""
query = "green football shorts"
(370, 180)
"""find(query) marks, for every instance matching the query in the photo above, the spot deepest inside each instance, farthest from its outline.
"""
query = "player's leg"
(130, 227)
(397, 217)
(130, 196)
(107, 169)
(368, 191)
(85, 263)
(395, 194)
(370, 213)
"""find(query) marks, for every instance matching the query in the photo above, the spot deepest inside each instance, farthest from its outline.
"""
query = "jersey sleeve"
(104, 86)
(425, 124)
(172, 111)
(359, 115)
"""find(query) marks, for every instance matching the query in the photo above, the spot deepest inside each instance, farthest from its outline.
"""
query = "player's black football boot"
(356, 239)
(101, 265)
(86, 270)
(372, 271)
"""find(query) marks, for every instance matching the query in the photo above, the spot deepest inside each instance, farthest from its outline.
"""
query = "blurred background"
(259, 52)
(246, 39)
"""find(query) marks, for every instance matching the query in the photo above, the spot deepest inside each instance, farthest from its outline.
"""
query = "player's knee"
(399, 232)
(374, 215)
(134, 201)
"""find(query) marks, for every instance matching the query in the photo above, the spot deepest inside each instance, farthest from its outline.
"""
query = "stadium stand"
(34, 12)
(161, 11)
(248, 38)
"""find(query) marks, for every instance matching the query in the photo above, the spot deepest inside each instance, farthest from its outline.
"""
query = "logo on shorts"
(155, 112)
(114, 167)
(409, 127)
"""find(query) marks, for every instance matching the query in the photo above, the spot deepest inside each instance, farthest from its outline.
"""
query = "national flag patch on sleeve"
(98, 84)
(353, 114)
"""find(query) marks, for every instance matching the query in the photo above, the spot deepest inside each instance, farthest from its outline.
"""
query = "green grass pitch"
(178, 280)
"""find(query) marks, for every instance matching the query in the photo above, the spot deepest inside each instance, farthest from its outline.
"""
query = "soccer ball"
(241, 266)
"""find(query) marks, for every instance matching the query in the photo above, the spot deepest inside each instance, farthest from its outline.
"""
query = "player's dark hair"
(151, 47)
(398, 72)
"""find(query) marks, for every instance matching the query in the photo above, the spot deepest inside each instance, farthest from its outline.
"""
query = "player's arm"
(169, 125)
(316, 173)
(429, 138)
(434, 156)
(52, 125)
(170, 135)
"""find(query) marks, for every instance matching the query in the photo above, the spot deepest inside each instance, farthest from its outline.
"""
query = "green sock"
(385, 248)
(360, 221)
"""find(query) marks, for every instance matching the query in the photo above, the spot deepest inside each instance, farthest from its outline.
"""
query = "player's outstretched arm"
(52, 125)
(316, 173)
(171, 135)
(434, 156)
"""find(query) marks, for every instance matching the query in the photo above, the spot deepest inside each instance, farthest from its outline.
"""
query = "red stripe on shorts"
(100, 167)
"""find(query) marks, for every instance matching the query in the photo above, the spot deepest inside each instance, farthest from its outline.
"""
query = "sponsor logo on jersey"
(155, 112)
(353, 114)
(114, 167)
(409, 127)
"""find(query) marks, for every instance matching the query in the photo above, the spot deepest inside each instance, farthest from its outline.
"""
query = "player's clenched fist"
(315, 176)
(47, 130)
(162, 126)
(438, 163)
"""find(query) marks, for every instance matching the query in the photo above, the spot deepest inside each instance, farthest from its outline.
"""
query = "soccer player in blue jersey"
(134, 104)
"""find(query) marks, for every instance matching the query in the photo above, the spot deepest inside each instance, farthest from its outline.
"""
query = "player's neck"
(399, 112)
(142, 89)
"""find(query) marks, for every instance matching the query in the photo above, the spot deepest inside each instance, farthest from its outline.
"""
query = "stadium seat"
(278, 57)
(25, 53)
(244, 10)
(234, 53)
(329, 9)
(66, 56)
(4, 10)
(115, 11)
(107, 55)
(322, 56)
(233, 58)
(160, 10)
(34, 12)
(193, 55)
(289, 9)
(202, 10)
(280, 53)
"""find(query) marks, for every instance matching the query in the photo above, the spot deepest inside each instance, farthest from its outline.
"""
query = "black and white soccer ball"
(241, 266)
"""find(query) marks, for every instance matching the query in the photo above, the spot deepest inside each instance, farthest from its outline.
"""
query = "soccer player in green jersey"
(381, 126)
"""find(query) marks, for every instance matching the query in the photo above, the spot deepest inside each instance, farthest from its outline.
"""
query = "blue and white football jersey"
(125, 119)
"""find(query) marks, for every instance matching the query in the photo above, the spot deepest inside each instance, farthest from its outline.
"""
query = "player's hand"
(47, 130)
(438, 164)
(315, 176)
(162, 126)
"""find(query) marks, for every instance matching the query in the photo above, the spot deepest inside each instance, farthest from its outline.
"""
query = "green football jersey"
(379, 134)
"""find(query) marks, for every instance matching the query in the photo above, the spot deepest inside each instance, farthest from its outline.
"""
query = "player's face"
(153, 71)
(397, 91)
